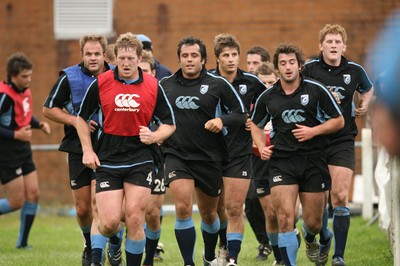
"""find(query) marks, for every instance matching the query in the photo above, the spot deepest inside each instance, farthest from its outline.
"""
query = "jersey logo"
(337, 90)
(203, 89)
(304, 99)
(293, 116)
(243, 89)
(26, 106)
(126, 100)
(186, 102)
(347, 78)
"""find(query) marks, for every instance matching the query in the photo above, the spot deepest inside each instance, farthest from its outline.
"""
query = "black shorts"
(207, 175)
(239, 167)
(8, 174)
(114, 178)
(310, 172)
(79, 175)
(158, 187)
(261, 176)
(341, 152)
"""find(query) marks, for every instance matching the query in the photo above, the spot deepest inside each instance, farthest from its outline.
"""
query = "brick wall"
(28, 26)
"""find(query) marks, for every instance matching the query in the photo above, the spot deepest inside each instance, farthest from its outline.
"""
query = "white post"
(395, 217)
(367, 173)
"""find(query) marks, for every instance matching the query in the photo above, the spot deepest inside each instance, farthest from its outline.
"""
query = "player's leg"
(235, 194)
(28, 211)
(284, 201)
(313, 206)
(80, 183)
(137, 197)
(153, 227)
(341, 180)
(185, 232)
(209, 223)
(271, 226)
(98, 241)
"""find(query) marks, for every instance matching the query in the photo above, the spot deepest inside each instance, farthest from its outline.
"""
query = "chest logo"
(126, 100)
(186, 102)
(347, 79)
(293, 116)
(242, 89)
(26, 106)
(304, 99)
(203, 89)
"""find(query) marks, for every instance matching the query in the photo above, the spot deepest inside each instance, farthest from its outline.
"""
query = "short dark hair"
(190, 40)
(224, 40)
(16, 63)
(261, 51)
(288, 48)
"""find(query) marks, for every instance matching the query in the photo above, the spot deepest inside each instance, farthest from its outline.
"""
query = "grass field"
(56, 241)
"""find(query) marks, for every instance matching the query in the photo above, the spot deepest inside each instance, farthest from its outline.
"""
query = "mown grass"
(56, 240)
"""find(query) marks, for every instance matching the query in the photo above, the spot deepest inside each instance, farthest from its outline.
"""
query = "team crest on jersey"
(304, 99)
(347, 78)
(243, 89)
(203, 89)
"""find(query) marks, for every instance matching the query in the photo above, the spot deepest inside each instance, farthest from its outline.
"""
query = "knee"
(285, 222)
(153, 216)
(108, 228)
(16, 203)
(339, 198)
(234, 210)
(314, 225)
(183, 210)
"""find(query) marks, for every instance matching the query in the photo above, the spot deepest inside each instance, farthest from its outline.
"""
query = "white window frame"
(75, 18)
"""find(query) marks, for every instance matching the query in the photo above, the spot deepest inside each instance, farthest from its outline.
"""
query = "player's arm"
(304, 133)
(53, 107)
(365, 99)
(89, 106)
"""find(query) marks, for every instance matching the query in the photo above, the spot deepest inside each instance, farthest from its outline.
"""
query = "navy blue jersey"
(195, 101)
(345, 79)
(310, 105)
(248, 87)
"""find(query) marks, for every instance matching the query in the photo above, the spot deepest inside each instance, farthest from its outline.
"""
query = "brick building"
(28, 26)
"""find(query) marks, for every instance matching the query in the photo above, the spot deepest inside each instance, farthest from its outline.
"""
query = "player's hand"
(91, 160)
(303, 133)
(23, 134)
(248, 124)
(214, 125)
(361, 109)
(146, 135)
(335, 95)
(267, 152)
(93, 126)
(45, 127)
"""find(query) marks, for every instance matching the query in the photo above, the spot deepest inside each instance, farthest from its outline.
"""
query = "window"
(74, 18)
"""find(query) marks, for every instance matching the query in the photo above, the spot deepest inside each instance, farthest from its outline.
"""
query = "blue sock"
(5, 206)
(234, 245)
(98, 246)
(222, 233)
(28, 213)
(152, 238)
(325, 234)
(273, 238)
(210, 238)
(185, 234)
(134, 251)
(288, 247)
(341, 225)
